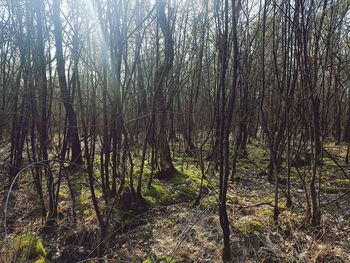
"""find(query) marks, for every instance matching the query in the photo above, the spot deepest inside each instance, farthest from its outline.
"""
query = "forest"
(174, 131)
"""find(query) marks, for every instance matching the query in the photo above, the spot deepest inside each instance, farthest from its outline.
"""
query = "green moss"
(244, 164)
(64, 192)
(334, 190)
(185, 193)
(266, 212)
(177, 179)
(282, 206)
(88, 212)
(189, 175)
(343, 181)
(251, 227)
(83, 201)
(30, 249)
(195, 178)
(234, 200)
(169, 223)
(266, 199)
(258, 152)
(183, 186)
(97, 173)
(150, 199)
(157, 194)
(328, 163)
(207, 202)
(156, 190)
(329, 143)
(193, 172)
(166, 200)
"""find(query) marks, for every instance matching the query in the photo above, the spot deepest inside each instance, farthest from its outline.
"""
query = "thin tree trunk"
(65, 96)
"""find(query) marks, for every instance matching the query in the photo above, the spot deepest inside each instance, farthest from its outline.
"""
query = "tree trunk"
(65, 95)
(166, 163)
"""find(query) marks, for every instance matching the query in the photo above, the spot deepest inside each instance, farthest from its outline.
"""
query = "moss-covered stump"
(27, 248)
(157, 194)
(181, 187)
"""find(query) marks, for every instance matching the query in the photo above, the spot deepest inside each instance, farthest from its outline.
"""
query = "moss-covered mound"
(29, 248)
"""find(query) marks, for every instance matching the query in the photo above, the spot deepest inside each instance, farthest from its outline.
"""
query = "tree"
(160, 76)
(65, 95)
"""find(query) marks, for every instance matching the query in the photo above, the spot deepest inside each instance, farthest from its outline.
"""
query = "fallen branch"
(253, 205)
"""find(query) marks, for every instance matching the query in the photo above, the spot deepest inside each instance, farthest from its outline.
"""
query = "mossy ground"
(26, 248)
(181, 187)
(175, 196)
(251, 227)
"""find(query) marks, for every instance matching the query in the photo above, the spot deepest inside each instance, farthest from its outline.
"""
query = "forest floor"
(172, 229)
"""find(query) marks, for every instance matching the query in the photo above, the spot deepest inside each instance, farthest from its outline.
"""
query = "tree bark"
(65, 95)
(166, 163)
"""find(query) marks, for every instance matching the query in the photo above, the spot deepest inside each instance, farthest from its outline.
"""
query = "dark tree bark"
(76, 157)
(166, 163)
(43, 129)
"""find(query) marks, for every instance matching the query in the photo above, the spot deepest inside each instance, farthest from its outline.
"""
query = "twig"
(254, 205)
